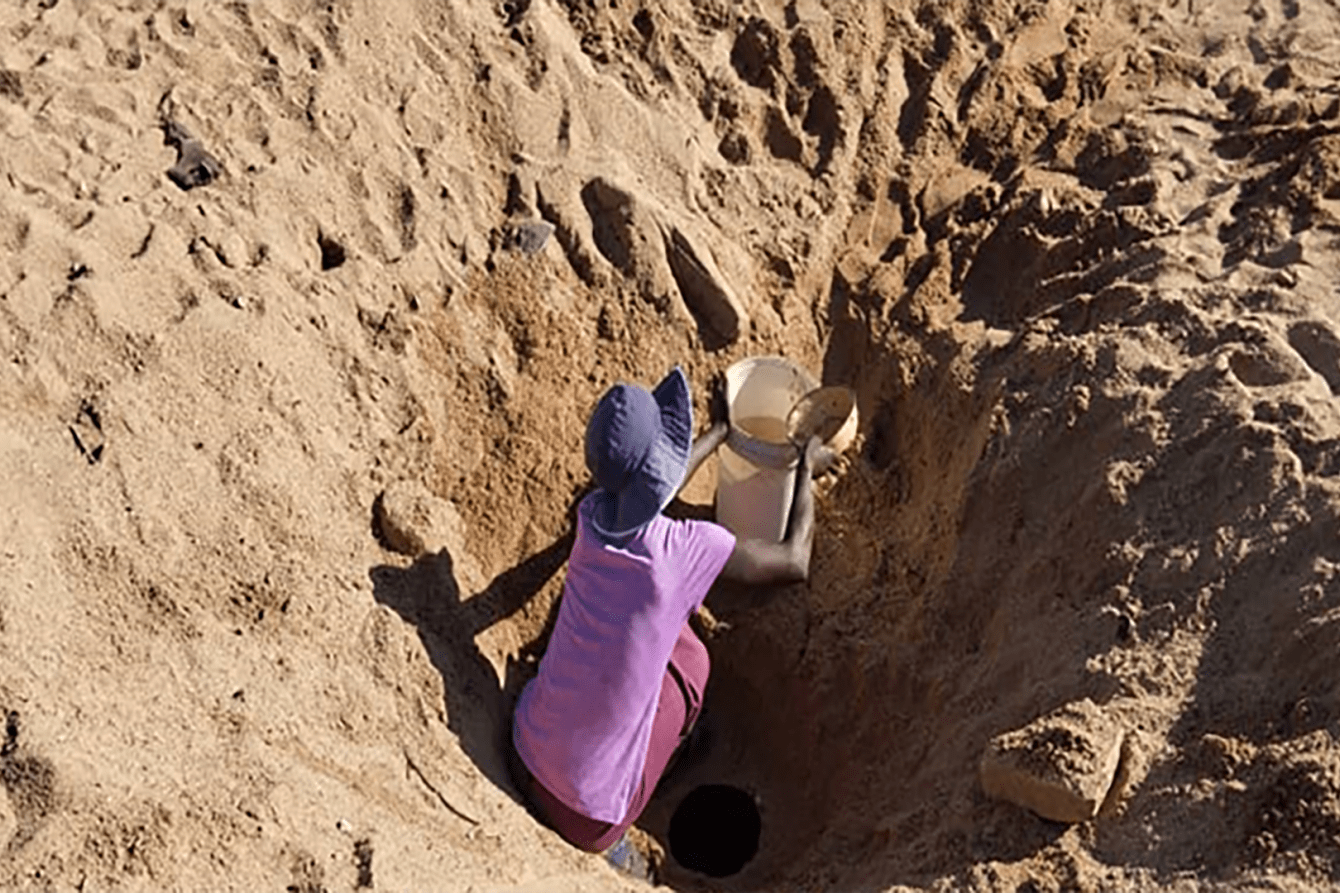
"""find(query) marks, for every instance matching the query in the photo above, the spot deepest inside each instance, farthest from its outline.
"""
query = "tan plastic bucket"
(756, 477)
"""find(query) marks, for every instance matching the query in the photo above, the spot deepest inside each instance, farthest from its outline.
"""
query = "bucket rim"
(741, 365)
(761, 452)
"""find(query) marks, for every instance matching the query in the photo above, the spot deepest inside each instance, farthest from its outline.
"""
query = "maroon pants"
(677, 709)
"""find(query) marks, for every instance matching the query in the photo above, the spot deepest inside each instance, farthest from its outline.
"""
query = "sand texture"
(303, 307)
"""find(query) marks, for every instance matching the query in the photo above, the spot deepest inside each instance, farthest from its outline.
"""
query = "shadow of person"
(478, 705)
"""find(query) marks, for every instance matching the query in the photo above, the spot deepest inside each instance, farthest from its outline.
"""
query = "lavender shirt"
(583, 725)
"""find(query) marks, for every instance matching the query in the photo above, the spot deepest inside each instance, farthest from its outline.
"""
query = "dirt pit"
(289, 445)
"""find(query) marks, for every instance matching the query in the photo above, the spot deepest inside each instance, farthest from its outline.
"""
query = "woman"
(622, 680)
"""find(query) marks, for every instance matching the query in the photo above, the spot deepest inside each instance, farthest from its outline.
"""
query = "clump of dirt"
(1298, 816)
(1062, 766)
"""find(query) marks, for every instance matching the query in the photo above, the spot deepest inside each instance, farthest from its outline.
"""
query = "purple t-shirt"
(583, 725)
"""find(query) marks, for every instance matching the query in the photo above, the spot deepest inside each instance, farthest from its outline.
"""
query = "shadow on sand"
(427, 595)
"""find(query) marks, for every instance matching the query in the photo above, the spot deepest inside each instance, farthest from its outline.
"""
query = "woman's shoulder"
(693, 535)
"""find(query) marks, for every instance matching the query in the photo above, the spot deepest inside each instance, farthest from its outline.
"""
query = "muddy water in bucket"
(756, 480)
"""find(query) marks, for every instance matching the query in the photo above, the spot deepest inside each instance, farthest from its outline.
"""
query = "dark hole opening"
(332, 252)
(715, 830)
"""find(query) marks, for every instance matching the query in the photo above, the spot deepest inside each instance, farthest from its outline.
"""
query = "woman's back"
(583, 725)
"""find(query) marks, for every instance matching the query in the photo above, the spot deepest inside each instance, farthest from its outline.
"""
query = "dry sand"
(1078, 258)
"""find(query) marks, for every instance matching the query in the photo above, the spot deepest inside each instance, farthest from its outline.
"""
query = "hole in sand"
(782, 143)
(332, 252)
(715, 830)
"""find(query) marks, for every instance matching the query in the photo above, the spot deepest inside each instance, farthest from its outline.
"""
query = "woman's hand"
(705, 446)
(718, 409)
(762, 562)
(817, 457)
(715, 435)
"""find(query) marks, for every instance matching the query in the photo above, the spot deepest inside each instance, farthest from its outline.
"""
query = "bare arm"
(760, 562)
(704, 446)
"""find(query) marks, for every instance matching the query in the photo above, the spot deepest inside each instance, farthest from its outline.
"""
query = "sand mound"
(302, 308)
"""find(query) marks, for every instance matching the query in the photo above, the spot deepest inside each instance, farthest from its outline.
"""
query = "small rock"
(529, 238)
(413, 521)
(1061, 765)
(343, 826)
(195, 166)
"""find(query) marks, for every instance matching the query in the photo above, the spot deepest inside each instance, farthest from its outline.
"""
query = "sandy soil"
(1078, 258)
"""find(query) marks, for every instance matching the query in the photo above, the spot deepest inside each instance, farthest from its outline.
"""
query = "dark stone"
(195, 166)
(529, 238)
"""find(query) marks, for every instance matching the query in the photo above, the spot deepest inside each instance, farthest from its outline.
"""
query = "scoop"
(827, 413)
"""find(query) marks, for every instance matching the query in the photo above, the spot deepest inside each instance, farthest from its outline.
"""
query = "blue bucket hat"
(637, 448)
